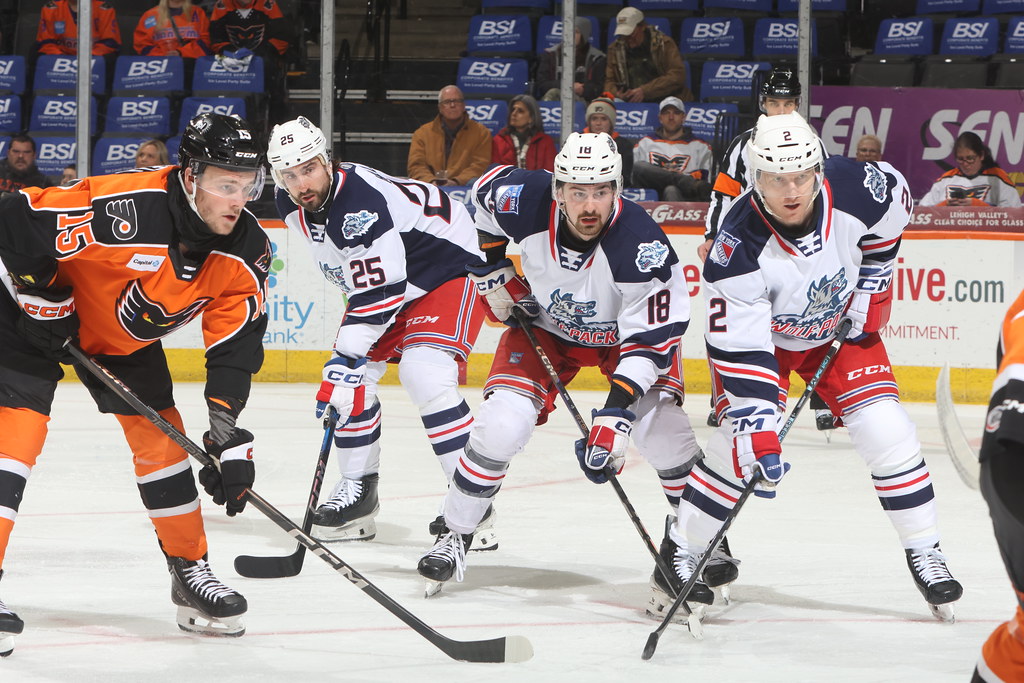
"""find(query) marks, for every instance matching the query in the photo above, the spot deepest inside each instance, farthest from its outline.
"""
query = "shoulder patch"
(723, 248)
(508, 199)
(356, 224)
(874, 180)
(651, 255)
(149, 22)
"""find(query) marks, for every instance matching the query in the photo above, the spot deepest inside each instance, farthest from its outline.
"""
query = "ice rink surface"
(824, 593)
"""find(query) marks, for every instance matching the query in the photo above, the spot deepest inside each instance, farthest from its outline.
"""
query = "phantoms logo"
(147, 320)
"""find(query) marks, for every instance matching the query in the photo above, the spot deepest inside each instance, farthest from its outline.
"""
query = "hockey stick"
(524, 323)
(505, 649)
(256, 567)
(964, 457)
(826, 361)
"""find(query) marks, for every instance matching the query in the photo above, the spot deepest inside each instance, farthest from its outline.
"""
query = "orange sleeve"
(47, 41)
(107, 34)
(143, 39)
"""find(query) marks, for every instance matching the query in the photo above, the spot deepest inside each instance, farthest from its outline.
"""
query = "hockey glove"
(342, 387)
(760, 452)
(229, 484)
(868, 312)
(503, 289)
(48, 320)
(604, 450)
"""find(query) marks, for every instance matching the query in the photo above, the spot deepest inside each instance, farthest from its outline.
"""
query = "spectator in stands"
(600, 118)
(58, 29)
(975, 181)
(644, 65)
(174, 28)
(590, 62)
(869, 148)
(19, 170)
(453, 149)
(152, 153)
(68, 176)
(673, 161)
(523, 142)
(242, 28)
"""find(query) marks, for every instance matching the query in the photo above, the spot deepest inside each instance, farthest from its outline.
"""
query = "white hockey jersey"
(385, 242)
(626, 290)
(764, 289)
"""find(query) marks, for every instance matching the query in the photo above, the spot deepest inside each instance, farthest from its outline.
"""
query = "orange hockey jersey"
(189, 35)
(233, 26)
(58, 29)
(115, 241)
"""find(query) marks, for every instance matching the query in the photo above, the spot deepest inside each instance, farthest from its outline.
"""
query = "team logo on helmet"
(126, 223)
(147, 320)
(651, 255)
(356, 224)
(508, 199)
(874, 180)
(723, 249)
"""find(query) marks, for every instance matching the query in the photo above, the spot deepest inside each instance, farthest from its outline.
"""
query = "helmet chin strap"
(190, 196)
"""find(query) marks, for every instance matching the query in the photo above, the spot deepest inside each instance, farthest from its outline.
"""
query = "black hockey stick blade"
(506, 649)
(276, 567)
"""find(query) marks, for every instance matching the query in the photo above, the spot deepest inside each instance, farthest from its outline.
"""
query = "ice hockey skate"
(348, 515)
(205, 605)
(444, 561)
(484, 538)
(937, 585)
(721, 570)
(665, 589)
(10, 626)
(712, 418)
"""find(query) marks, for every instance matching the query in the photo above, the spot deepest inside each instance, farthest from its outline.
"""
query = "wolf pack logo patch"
(874, 180)
(508, 199)
(356, 224)
(651, 255)
(126, 222)
(147, 320)
(723, 248)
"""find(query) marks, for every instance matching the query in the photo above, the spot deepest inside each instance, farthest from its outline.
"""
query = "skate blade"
(723, 593)
(660, 603)
(6, 645)
(944, 612)
(432, 588)
(194, 621)
(360, 530)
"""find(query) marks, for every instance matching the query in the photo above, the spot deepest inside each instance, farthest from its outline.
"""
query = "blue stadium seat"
(730, 81)
(212, 77)
(640, 194)
(149, 116)
(704, 38)
(533, 8)
(12, 74)
(10, 114)
(970, 37)
(138, 75)
(54, 152)
(114, 154)
(701, 117)
(462, 194)
(1014, 42)
(660, 23)
(816, 6)
(549, 32)
(551, 118)
(500, 35)
(492, 114)
(58, 74)
(173, 143)
(947, 6)
(480, 77)
(635, 120)
(57, 113)
(913, 36)
(777, 38)
(193, 106)
(1002, 7)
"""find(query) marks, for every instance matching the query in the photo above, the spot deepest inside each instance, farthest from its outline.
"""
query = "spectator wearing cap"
(672, 161)
(601, 119)
(869, 148)
(453, 149)
(523, 142)
(588, 81)
(644, 64)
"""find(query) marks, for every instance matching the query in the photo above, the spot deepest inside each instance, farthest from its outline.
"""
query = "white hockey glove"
(604, 450)
(869, 312)
(503, 290)
(342, 387)
(757, 451)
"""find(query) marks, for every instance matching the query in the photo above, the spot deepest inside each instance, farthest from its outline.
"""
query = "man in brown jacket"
(644, 65)
(452, 149)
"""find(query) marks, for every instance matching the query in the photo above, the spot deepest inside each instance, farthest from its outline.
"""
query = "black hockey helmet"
(781, 84)
(220, 140)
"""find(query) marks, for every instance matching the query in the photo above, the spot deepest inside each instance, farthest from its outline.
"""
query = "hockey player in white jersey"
(399, 250)
(814, 241)
(604, 289)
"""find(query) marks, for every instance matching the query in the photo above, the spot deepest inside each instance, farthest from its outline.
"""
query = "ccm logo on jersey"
(869, 370)
(421, 319)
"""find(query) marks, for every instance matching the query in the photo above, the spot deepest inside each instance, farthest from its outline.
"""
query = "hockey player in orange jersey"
(1002, 479)
(115, 263)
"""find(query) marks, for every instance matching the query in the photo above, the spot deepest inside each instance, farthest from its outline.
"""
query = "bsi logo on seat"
(905, 29)
(490, 27)
(148, 68)
(492, 69)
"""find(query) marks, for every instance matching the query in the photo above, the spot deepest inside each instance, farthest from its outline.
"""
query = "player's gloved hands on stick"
(759, 452)
(868, 312)
(342, 387)
(237, 470)
(604, 450)
(504, 290)
(48, 320)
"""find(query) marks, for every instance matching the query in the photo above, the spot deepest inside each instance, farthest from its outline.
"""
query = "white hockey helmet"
(588, 159)
(295, 142)
(783, 144)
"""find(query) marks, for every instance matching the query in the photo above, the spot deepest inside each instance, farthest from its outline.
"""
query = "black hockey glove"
(237, 472)
(48, 320)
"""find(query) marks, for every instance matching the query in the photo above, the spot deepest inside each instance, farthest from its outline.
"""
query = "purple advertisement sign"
(918, 126)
